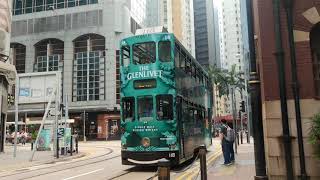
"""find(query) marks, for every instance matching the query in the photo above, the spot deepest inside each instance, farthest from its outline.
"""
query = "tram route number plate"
(172, 155)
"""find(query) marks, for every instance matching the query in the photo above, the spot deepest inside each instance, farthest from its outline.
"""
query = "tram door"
(180, 125)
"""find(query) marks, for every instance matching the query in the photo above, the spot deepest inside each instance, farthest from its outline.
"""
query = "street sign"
(60, 132)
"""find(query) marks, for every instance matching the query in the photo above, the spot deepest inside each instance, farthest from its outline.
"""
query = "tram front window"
(164, 107)
(145, 108)
(144, 53)
(125, 56)
(128, 108)
(165, 51)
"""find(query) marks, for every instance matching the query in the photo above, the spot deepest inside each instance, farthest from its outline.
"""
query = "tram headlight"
(145, 142)
(172, 146)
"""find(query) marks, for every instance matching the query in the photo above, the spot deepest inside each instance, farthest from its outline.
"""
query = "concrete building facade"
(204, 32)
(231, 47)
(7, 71)
(80, 39)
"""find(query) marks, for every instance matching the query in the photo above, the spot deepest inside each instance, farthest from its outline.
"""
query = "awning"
(8, 71)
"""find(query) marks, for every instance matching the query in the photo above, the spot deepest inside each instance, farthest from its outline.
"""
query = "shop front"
(109, 127)
(7, 76)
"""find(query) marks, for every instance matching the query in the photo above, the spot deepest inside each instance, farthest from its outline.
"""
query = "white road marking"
(83, 174)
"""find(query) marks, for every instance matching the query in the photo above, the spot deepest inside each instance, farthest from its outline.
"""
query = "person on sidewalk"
(23, 138)
(224, 142)
(231, 141)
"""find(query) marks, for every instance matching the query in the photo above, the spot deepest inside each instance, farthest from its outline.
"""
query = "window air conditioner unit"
(4, 43)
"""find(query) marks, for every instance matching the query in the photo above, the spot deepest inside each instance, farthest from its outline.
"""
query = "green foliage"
(314, 134)
(223, 79)
(34, 135)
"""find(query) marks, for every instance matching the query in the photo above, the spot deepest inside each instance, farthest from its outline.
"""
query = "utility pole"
(234, 117)
(84, 126)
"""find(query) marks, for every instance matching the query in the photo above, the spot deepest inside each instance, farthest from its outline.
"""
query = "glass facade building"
(31, 6)
(87, 84)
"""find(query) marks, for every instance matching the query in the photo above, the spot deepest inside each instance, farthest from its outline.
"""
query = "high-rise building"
(178, 17)
(231, 43)
(205, 33)
(146, 12)
(231, 34)
(80, 39)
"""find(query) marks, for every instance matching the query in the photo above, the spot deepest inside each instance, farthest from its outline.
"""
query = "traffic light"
(10, 99)
(242, 106)
(63, 110)
(84, 116)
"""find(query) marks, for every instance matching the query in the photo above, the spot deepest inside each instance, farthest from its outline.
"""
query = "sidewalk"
(8, 162)
(243, 169)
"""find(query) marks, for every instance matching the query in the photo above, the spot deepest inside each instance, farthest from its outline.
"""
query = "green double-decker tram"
(165, 101)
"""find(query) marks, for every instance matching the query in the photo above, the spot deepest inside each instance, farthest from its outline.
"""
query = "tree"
(227, 81)
(224, 80)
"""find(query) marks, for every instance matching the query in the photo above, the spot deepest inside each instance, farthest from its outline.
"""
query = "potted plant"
(314, 134)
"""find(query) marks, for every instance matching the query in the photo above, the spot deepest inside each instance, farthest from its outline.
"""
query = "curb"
(191, 173)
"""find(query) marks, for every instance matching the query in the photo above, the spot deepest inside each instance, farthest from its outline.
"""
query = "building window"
(88, 80)
(29, 6)
(88, 68)
(49, 55)
(47, 63)
(60, 4)
(19, 56)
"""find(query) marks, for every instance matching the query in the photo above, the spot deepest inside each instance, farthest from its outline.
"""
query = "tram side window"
(145, 108)
(165, 107)
(177, 57)
(128, 108)
(182, 60)
(165, 51)
(125, 51)
(144, 53)
(188, 66)
(193, 70)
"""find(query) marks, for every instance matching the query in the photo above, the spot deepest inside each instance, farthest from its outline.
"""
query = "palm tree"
(227, 82)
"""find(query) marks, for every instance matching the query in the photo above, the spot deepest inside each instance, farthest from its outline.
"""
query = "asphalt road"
(104, 162)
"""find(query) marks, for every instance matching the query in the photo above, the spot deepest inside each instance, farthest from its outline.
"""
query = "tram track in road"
(59, 168)
(136, 169)
(189, 171)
